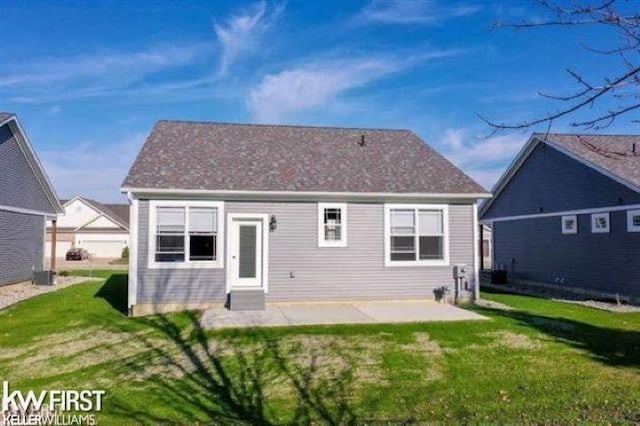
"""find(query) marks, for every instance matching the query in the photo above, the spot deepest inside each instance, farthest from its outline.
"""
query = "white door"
(245, 252)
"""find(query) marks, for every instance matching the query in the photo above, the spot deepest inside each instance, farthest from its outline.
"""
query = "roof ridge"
(295, 126)
(589, 134)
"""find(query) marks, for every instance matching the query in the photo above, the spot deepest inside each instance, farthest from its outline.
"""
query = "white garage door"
(62, 247)
(103, 248)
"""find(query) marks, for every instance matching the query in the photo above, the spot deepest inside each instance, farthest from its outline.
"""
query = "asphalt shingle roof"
(5, 115)
(613, 153)
(217, 156)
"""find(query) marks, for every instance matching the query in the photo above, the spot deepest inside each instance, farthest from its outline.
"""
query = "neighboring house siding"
(353, 272)
(21, 246)
(550, 181)
(536, 249)
(20, 187)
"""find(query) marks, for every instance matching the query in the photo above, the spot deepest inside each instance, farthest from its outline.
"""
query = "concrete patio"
(374, 312)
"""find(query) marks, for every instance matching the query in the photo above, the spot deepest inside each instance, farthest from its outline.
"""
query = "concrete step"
(247, 299)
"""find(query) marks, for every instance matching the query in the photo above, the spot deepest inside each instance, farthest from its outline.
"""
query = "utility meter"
(459, 271)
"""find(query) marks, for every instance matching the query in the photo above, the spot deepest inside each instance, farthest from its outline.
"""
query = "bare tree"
(622, 17)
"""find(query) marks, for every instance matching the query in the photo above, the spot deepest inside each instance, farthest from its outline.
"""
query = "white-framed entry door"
(247, 251)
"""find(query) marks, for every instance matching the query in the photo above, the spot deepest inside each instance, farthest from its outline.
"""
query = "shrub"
(63, 273)
(125, 253)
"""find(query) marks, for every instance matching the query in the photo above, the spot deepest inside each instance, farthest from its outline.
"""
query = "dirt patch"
(508, 339)
(493, 305)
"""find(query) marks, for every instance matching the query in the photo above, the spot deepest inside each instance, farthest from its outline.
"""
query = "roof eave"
(522, 156)
(299, 195)
(35, 163)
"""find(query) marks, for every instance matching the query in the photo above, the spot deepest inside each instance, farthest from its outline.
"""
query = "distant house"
(101, 229)
(567, 212)
(27, 200)
(486, 246)
(254, 213)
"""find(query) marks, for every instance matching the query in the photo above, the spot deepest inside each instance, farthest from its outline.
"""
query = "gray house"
(567, 212)
(27, 200)
(243, 214)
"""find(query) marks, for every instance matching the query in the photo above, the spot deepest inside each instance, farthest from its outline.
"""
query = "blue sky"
(89, 79)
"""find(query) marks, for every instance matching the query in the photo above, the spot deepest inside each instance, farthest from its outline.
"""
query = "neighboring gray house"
(247, 213)
(27, 200)
(567, 212)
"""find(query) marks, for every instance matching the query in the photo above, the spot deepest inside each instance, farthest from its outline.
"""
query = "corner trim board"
(133, 252)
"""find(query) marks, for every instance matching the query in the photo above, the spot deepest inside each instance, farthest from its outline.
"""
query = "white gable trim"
(561, 213)
(100, 215)
(99, 211)
(524, 154)
(34, 162)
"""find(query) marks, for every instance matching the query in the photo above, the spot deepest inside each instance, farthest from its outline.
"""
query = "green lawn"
(543, 362)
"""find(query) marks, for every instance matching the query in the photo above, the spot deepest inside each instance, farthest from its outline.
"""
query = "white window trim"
(594, 218)
(343, 224)
(187, 264)
(387, 235)
(630, 215)
(566, 231)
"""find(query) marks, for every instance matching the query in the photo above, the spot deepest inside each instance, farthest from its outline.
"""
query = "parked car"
(77, 254)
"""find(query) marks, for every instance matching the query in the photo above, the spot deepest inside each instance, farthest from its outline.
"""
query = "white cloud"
(418, 12)
(92, 168)
(313, 86)
(483, 159)
(88, 76)
(318, 83)
(108, 65)
(239, 33)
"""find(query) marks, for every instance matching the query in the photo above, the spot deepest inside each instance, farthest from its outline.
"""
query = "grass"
(544, 361)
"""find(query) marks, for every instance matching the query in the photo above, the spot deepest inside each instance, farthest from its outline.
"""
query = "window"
(185, 234)
(332, 225)
(600, 223)
(416, 235)
(170, 234)
(570, 224)
(633, 221)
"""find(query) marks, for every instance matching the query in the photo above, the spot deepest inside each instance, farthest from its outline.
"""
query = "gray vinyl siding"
(550, 181)
(18, 183)
(21, 246)
(536, 249)
(338, 273)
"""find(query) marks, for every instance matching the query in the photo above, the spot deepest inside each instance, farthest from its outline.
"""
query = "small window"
(600, 223)
(332, 225)
(633, 221)
(416, 235)
(570, 224)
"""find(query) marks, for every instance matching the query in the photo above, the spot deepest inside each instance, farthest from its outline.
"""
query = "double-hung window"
(332, 224)
(185, 234)
(416, 235)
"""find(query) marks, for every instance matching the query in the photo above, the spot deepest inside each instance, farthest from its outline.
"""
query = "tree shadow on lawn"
(114, 291)
(611, 346)
(231, 377)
